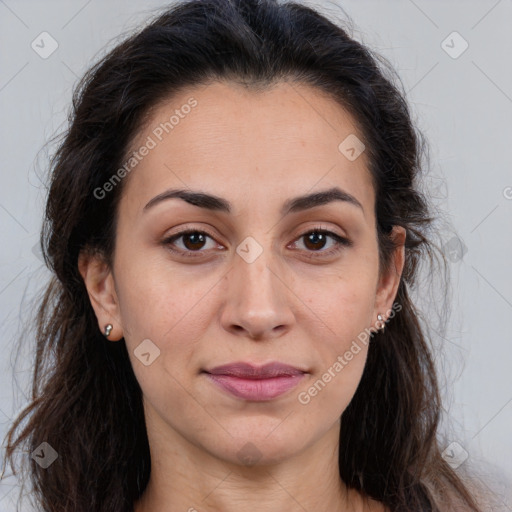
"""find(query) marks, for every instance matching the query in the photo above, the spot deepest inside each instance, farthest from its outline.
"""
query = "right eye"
(194, 238)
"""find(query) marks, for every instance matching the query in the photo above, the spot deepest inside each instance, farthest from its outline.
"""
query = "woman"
(234, 224)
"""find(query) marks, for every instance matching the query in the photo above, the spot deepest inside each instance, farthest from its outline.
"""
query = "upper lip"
(250, 371)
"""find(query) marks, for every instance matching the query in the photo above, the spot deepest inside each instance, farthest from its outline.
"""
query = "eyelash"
(341, 242)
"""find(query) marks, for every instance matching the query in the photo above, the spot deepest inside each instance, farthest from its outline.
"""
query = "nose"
(258, 298)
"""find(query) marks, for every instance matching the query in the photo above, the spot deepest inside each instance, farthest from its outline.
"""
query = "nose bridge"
(257, 297)
(252, 271)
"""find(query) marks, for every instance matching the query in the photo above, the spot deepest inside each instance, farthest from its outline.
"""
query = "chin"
(262, 446)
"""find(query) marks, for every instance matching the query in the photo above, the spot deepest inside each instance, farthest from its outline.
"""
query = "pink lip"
(249, 382)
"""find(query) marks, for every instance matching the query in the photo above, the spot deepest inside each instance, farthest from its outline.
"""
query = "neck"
(184, 478)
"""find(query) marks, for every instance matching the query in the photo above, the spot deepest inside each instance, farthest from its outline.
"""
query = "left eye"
(194, 240)
(319, 237)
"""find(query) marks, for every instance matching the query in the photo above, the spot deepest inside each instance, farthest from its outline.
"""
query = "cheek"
(154, 296)
(330, 391)
(340, 358)
(344, 303)
(345, 307)
(166, 307)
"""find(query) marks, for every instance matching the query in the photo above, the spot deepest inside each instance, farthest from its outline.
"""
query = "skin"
(256, 150)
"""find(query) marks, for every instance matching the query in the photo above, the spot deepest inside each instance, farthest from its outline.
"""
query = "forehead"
(236, 142)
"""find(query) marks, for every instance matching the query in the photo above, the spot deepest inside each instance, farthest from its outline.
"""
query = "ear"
(390, 279)
(99, 281)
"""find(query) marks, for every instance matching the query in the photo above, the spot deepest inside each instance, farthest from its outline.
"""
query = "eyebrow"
(296, 204)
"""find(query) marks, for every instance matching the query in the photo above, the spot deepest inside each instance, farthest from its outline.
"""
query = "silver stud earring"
(381, 319)
(108, 330)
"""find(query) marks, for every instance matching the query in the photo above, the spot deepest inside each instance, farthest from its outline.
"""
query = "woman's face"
(251, 284)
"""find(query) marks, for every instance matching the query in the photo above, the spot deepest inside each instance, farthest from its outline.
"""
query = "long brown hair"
(86, 401)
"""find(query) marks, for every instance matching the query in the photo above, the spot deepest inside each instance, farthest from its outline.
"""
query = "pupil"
(192, 236)
(316, 237)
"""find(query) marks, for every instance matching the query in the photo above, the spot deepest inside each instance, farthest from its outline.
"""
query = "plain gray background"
(462, 101)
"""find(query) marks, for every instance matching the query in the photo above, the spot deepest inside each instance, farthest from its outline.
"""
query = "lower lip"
(257, 390)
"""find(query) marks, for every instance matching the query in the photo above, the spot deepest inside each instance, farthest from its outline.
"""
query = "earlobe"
(99, 281)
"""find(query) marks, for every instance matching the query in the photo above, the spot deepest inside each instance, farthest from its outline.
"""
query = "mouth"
(255, 383)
